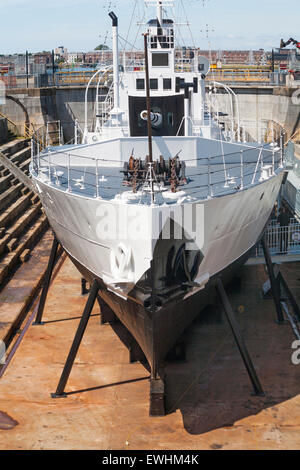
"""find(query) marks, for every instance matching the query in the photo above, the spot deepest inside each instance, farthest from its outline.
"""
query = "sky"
(80, 25)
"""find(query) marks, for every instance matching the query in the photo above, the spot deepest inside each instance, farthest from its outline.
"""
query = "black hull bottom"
(156, 332)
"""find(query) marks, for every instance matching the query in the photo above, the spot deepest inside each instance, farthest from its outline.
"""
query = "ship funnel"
(114, 19)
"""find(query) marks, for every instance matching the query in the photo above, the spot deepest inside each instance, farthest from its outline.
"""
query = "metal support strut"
(60, 391)
(46, 284)
(275, 286)
(239, 339)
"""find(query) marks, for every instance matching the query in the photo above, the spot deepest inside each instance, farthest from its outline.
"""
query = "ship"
(162, 195)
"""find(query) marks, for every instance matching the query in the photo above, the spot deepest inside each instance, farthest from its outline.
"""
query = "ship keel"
(149, 333)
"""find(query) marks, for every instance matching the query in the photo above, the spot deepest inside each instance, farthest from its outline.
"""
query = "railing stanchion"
(273, 161)
(76, 132)
(49, 164)
(281, 150)
(210, 189)
(69, 164)
(256, 167)
(38, 160)
(47, 135)
(242, 169)
(59, 133)
(97, 179)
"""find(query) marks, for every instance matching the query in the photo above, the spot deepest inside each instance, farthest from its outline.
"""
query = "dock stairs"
(22, 221)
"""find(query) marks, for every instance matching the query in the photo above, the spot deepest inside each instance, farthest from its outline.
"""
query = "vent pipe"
(115, 59)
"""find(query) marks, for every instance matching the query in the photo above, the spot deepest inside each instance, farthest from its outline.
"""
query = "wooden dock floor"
(209, 399)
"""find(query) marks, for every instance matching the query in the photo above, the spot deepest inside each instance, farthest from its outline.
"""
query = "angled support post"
(60, 391)
(84, 289)
(46, 284)
(289, 294)
(239, 339)
(275, 285)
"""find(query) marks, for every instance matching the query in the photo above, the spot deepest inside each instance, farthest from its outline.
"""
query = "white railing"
(104, 108)
(101, 74)
(207, 177)
(282, 240)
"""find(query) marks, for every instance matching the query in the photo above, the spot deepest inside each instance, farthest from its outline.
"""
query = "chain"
(135, 174)
(173, 175)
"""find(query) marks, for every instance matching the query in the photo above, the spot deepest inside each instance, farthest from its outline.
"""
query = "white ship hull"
(164, 193)
(232, 226)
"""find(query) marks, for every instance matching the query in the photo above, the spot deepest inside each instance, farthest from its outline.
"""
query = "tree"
(60, 60)
(101, 47)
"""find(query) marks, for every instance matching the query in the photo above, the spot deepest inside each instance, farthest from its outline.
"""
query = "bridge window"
(153, 83)
(140, 84)
(167, 83)
(160, 59)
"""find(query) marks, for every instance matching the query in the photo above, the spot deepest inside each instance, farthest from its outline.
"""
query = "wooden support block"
(157, 398)
(35, 199)
(24, 257)
(12, 244)
(24, 191)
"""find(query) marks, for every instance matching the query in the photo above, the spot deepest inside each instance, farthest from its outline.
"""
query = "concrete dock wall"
(70, 106)
(49, 104)
(3, 130)
(279, 104)
(67, 104)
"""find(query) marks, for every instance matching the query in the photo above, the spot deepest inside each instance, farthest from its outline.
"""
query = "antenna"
(207, 30)
(109, 5)
(162, 3)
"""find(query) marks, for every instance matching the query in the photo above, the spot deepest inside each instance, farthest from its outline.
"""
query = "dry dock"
(209, 399)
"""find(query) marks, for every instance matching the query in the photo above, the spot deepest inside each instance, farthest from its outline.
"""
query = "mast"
(148, 100)
(159, 13)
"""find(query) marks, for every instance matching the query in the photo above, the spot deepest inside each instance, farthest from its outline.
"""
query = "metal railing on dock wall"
(282, 240)
(59, 79)
(82, 77)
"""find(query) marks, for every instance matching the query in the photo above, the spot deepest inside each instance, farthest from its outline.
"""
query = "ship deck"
(209, 401)
(208, 178)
